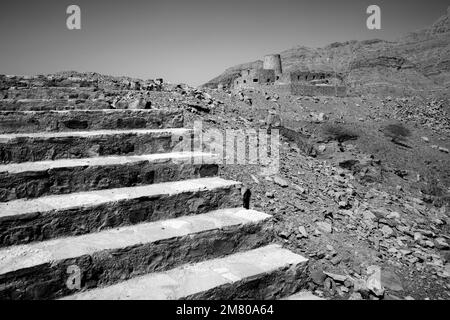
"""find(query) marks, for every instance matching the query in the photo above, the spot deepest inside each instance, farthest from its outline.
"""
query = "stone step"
(52, 104)
(23, 221)
(40, 146)
(39, 270)
(55, 121)
(52, 93)
(18, 81)
(65, 93)
(265, 273)
(43, 178)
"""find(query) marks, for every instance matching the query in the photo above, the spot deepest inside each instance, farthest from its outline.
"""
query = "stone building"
(299, 82)
(251, 78)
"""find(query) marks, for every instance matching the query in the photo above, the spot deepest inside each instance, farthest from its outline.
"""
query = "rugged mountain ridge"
(419, 62)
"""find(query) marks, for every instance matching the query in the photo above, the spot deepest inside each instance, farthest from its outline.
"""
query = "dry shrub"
(396, 131)
(339, 133)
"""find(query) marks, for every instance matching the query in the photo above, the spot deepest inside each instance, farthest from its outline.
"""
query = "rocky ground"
(363, 188)
(365, 200)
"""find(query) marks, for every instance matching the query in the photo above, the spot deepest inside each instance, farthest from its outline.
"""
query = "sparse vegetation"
(339, 133)
(396, 131)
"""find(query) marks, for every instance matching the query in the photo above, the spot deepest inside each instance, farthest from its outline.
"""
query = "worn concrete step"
(40, 146)
(264, 273)
(23, 221)
(70, 120)
(39, 270)
(28, 180)
(53, 104)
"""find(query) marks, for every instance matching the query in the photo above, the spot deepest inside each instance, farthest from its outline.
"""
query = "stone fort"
(296, 82)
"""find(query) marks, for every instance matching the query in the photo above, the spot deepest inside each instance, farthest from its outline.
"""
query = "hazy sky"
(187, 41)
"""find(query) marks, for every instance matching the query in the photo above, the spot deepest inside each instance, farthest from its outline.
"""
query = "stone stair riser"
(51, 121)
(273, 285)
(39, 149)
(35, 184)
(57, 223)
(112, 266)
(61, 93)
(41, 105)
(51, 93)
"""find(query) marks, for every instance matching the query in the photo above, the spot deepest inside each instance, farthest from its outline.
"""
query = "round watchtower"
(273, 62)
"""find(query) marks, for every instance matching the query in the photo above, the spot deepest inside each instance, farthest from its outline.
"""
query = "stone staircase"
(98, 204)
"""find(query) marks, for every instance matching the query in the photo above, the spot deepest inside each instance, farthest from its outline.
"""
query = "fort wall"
(308, 90)
(254, 78)
(298, 76)
(308, 83)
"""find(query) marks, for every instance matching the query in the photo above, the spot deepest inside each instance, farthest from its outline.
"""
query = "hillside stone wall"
(305, 90)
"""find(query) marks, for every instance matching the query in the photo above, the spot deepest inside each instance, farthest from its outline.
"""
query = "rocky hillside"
(418, 62)
(362, 188)
(232, 73)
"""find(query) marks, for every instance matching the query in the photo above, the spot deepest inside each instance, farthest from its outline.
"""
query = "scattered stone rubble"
(431, 113)
(332, 208)
(365, 242)
(400, 229)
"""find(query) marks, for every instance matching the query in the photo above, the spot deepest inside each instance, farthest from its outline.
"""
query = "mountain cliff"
(418, 62)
